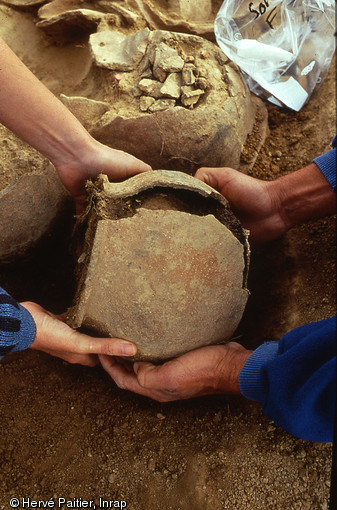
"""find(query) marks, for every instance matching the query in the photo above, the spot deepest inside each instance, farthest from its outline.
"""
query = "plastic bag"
(283, 47)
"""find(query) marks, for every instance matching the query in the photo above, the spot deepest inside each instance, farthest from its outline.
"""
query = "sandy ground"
(67, 431)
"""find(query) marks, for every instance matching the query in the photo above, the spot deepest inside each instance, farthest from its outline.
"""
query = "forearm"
(304, 195)
(295, 380)
(33, 113)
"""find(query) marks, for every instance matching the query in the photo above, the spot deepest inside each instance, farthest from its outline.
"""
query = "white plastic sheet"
(283, 47)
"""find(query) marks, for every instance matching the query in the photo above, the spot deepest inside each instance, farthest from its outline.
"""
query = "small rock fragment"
(151, 88)
(159, 74)
(202, 83)
(162, 105)
(172, 86)
(190, 96)
(189, 91)
(118, 52)
(167, 59)
(188, 76)
(147, 73)
(191, 66)
(145, 102)
(136, 92)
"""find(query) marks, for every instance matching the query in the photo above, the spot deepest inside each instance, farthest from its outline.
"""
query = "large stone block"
(163, 263)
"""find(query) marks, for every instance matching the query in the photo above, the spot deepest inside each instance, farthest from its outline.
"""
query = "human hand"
(58, 339)
(255, 202)
(95, 159)
(48, 126)
(269, 208)
(205, 371)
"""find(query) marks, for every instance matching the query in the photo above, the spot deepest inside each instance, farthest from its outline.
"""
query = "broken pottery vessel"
(163, 262)
(180, 104)
(178, 15)
(30, 206)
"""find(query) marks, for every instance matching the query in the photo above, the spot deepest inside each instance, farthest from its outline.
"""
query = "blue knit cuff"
(27, 333)
(327, 165)
(252, 383)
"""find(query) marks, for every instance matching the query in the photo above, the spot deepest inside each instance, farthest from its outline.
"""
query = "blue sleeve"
(327, 164)
(17, 327)
(295, 380)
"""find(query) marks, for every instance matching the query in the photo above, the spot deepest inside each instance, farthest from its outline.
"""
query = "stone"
(157, 248)
(145, 102)
(188, 76)
(161, 105)
(113, 50)
(87, 111)
(30, 206)
(190, 91)
(136, 92)
(159, 74)
(150, 87)
(202, 83)
(190, 96)
(172, 86)
(190, 66)
(189, 102)
(167, 59)
(147, 74)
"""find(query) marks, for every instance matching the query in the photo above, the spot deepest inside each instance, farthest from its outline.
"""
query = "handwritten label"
(261, 9)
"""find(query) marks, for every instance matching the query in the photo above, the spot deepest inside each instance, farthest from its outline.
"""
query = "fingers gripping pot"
(162, 262)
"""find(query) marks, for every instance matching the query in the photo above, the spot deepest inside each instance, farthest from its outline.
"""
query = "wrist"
(303, 195)
(227, 375)
(72, 151)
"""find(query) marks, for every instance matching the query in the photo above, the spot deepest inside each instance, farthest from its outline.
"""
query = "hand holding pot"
(56, 338)
(205, 371)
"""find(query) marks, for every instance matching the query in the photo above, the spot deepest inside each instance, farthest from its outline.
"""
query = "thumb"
(217, 178)
(146, 373)
(109, 346)
(209, 175)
